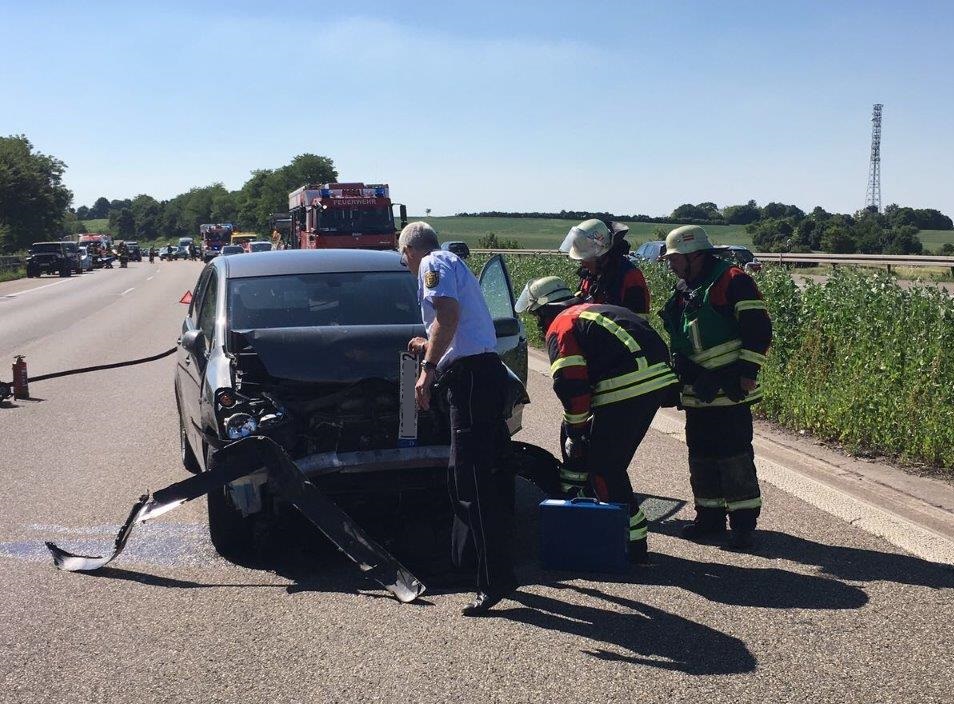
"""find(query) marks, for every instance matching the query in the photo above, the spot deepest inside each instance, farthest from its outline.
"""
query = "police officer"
(607, 275)
(720, 333)
(611, 372)
(460, 351)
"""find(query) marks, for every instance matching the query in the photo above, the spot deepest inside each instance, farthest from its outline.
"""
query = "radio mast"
(873, 194)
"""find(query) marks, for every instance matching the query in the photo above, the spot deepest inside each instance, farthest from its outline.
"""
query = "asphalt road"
(823, 612)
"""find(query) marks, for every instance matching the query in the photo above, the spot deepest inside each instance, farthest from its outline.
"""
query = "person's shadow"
(634, 633)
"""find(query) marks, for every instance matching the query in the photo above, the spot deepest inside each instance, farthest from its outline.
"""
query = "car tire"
(231, 533)
(189, 460)
(66, 272)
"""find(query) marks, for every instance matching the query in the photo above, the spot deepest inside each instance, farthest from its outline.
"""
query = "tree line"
(35, 205)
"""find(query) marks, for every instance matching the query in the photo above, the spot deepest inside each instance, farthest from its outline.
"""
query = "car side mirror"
(193, 342)
(506, 327)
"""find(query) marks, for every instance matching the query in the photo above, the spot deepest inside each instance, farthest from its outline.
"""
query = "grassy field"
(541, 233)
(100, 225)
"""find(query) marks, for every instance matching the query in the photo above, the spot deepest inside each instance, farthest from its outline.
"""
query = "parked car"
(52, 258)
(305, 347)
(231, 249)
(135, 252)
(649, 251)
(742, 256)
(170, 252)
(259, 246)
(86, 261)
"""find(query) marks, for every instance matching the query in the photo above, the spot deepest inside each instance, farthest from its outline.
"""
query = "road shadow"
(153, 580)
(645, 635)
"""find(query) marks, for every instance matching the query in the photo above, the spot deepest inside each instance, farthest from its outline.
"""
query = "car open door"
(511, 336)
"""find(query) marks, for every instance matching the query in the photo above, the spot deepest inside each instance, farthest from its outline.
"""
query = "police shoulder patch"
(431, 278)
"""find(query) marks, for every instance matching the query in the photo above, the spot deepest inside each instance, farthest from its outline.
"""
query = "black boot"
(638, 552)
(709, 524)
(485, 601)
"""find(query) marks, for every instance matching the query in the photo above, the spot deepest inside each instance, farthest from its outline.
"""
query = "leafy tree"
(838, 240)
(946, 250)
(33, 199)
(742, 214)
(82, 213)
(100, 209)
(122, 223)
(147, 213)
(902, 240)
(819, 214)
(808, 234)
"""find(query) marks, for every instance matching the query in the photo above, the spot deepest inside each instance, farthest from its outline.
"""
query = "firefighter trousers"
(722, 466)
(475, 393)
(616, 430)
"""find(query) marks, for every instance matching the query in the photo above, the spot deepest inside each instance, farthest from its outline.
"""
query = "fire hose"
(20, 385)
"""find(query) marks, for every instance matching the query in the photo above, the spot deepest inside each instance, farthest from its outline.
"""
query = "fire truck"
(344, 215)
(214, 235)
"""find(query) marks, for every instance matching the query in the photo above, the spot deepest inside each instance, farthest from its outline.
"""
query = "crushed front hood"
(340, 354)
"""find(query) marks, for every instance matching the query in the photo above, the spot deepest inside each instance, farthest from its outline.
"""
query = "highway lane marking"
(150, 278)
(31, 290)
(127, 291)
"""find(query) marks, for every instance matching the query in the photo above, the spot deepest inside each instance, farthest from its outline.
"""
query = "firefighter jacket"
(721, 322)
(603, 354)
(621, 283)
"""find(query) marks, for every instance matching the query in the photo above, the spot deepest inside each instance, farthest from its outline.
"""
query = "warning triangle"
(186, 298)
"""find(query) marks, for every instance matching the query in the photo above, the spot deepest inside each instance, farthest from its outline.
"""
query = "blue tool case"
(584, 535)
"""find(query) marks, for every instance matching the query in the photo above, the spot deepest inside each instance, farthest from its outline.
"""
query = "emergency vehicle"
(344, 215)
(214, 236)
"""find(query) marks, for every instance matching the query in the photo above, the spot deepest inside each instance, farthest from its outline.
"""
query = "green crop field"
(100, 225)
(543, 233)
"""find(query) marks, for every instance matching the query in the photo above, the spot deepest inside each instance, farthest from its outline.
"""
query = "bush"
(491, 242)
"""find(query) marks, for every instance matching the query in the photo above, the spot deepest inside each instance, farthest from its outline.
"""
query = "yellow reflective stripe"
(721, 361)
(635, 390)
(750, 356)
(695, 337)
(749, 305)
(576, 417)
(725, 347)
(644, 316)
(574, 360)
(709, 503)
(637, 518)
(747, 503)
(638, 533)
(630, 378)
(573, 476)
(689, 399)
(567, 488)
(612, 327)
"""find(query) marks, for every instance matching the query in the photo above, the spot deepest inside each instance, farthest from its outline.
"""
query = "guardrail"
(10, 263)
(788, 258)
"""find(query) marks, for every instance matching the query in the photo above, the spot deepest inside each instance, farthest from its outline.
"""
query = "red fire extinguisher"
(21, 385)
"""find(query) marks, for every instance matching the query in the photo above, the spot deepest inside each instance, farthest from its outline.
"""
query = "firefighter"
(607, 275)
(611, 372)
(460, 351)
(720, 333)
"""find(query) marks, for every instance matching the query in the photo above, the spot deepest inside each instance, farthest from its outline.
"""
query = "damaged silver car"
(307, 348)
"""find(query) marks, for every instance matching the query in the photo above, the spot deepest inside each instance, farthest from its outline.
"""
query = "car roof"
(51, 242)
(308, 261)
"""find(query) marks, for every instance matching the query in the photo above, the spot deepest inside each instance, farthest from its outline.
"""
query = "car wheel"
(232, 534)
(189, 460)
(66, 272)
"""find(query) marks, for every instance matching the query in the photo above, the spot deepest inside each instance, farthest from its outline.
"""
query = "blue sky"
(462, 106)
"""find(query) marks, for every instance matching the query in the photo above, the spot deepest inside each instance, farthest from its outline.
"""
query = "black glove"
(732, 382)
(707, 385)
(687, 370)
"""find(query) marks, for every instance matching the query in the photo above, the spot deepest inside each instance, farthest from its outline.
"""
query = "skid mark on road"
(167, 545)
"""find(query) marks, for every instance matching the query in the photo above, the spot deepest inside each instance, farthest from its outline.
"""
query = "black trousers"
(476, 388)
(722, 466)
(616, 431)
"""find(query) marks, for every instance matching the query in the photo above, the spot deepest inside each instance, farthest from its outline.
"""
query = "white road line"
(20, 293)
(127, 291)
(150, 278)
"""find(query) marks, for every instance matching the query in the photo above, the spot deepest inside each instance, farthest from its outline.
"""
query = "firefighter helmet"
(540, 292)
(686, 240)
(591, 239)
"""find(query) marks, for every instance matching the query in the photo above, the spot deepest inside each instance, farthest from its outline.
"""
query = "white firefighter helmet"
(540, 292)
(591, 239)
(686, 240)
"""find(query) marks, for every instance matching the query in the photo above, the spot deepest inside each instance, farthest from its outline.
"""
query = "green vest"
(706, 336)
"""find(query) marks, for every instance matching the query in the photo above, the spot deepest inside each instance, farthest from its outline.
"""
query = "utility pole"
(873, 194)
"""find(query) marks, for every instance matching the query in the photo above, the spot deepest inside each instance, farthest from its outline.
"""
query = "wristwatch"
(427, 364)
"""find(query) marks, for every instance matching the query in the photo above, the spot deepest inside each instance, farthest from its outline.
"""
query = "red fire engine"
(344, 215)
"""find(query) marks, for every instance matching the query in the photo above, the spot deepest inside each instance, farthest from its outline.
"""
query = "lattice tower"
(873, 194)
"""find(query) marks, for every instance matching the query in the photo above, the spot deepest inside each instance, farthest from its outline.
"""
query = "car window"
(206, 320)
(495, 285)
(197, 292)
(321, 300)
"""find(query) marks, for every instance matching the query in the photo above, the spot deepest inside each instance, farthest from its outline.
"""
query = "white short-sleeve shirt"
(443, 274)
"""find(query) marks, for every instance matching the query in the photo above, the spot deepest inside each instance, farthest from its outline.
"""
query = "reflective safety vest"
(603, 354)
(707, 337)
